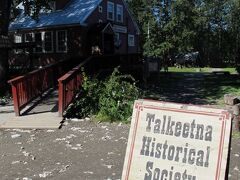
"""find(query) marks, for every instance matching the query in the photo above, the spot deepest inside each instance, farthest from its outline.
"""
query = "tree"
(5, 10)
(210, 27)
(235, 31)
(5, 6)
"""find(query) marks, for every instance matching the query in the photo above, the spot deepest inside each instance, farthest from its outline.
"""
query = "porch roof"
(75, 12)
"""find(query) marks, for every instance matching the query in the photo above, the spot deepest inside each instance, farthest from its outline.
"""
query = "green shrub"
(117, 97)
(238, 69)
(86, 102)
(110, 100)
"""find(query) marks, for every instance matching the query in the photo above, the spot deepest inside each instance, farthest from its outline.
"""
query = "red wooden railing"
(26, 88)
(70, 83)
(68, 86)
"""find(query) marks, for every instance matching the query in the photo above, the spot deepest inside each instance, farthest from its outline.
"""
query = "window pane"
(29, 37)
(62, 41)
(48, 42)
(131, 40)
(38, 39)
(119, 13)
(110, 11)
(18, 38)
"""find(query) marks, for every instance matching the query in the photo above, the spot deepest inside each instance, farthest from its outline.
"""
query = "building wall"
(76, 38)
(127, 23)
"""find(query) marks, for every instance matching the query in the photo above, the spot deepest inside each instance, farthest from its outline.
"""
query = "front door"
(108, 43)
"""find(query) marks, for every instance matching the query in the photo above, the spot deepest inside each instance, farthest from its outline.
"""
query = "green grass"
(206, 89)
(189, 70)
(231, 70)
(195, 70)
(216, 87)
(218, 99)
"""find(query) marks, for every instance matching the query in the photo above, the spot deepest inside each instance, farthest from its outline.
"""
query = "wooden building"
(75, 28)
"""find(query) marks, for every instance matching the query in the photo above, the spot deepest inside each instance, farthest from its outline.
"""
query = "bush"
(117, 97)
(238, 69)
(110, 100)
(86, 102)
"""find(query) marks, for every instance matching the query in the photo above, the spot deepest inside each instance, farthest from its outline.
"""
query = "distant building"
(75, 28)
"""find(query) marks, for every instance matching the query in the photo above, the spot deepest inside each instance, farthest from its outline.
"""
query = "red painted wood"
(71, 82)
(15, 100)
(60, 99)
(26, 88)
(68, 85)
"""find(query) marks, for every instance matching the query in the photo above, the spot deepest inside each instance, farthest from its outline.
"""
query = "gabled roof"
(101, 28)
(75, 12)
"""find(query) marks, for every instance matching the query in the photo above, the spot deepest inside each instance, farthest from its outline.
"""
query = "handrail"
(26, 88)
(20, 78)
(68, 85)
(76, 69)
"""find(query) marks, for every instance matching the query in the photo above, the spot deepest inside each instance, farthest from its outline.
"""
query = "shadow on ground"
(191, 88)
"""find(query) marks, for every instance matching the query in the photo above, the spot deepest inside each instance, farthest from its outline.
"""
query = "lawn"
(195, 70)
(193, 88)
(216, 87)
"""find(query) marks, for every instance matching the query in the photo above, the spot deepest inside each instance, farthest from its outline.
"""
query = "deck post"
(60, 98)
(15, 100)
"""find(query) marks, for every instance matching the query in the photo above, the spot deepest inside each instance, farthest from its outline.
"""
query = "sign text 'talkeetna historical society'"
(170, 152)
(169, 142)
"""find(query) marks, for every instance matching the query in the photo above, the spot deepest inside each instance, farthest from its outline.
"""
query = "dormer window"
(110, 10)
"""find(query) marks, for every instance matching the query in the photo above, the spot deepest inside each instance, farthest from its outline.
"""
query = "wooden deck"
(40, 114)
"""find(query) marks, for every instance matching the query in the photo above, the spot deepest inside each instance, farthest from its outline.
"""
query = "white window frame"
(117, 35)
(43, 41)
(35, 49)
(18, 38)
(121, 13)
(66, 40)
(33, 37)
(112, 4)
(100, 9)
(131, 43)
(117, 40)
(26, 41)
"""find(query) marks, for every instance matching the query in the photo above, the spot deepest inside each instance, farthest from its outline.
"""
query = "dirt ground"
(83, 149)
(80, 150)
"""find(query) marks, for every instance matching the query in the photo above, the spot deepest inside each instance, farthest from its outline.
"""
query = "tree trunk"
(5, 6)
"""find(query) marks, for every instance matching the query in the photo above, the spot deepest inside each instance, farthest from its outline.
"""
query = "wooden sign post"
(170, 141)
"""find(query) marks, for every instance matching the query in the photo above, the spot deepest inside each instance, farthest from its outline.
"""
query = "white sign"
(120, 29)
(170, 141)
